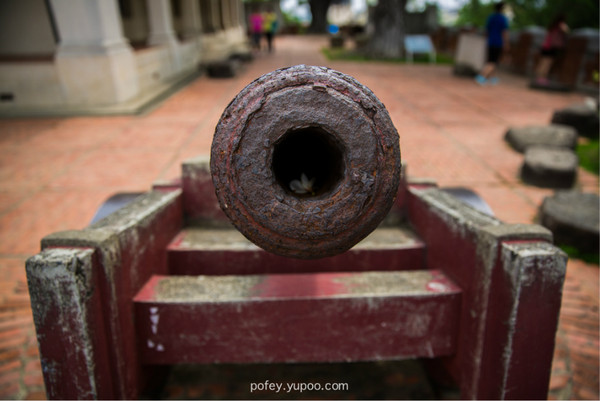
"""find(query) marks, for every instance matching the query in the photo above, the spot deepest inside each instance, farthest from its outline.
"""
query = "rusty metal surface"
(305, 162)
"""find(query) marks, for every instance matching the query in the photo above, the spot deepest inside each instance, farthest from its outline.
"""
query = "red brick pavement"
(55, 172)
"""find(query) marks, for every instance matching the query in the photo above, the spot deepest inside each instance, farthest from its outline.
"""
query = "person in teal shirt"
(269, 27)
(497, 42)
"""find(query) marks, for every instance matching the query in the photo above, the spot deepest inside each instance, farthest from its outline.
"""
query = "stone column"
(94, 62)
(226, 14)
(239, 16)
(161, 23)
(237, 13)
(191, 25)
(215, 10)
(162, 33)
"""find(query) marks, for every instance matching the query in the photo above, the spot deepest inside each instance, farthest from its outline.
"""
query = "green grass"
(588, 153)
(352, 55)
(575, 253)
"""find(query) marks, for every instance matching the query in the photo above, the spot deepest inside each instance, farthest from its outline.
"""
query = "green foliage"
(293, 22)
(588, 154)
(474, 13)
(579, 13)
(290, 19)
(575, 253)
(350, 55)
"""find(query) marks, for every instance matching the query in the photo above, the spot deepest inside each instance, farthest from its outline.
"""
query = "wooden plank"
(321, 317)
(66, 305)
(527, 289)
(131, 246)
(511, 277)
(207, 251)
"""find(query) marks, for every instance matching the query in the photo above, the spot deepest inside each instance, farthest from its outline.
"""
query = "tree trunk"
(318, 9)
(388, 37)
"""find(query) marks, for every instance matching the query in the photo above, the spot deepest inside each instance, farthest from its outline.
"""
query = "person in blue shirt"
(497, 42)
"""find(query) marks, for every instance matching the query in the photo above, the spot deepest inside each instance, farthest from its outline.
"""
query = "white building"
(102, 56)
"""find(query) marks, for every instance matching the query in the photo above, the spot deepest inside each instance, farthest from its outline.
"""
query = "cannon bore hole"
(312, 152)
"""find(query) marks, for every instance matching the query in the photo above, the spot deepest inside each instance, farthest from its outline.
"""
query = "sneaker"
(542, 81)
(480, 80)
(494, 81)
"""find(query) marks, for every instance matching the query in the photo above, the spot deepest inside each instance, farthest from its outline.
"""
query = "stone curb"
(549, 167)
(573, 217)
(554, 135)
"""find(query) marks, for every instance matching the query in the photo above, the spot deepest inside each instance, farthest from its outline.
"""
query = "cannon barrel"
(305, 162)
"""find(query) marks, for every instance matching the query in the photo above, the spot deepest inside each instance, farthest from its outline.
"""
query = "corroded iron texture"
(305, 162)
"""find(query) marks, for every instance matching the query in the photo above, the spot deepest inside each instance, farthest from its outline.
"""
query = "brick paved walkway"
(55, 172)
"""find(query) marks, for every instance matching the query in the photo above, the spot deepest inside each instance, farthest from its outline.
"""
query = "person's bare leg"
(543, 68)
(488, 70)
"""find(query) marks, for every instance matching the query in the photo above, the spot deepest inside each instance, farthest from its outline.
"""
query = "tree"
(388, 36)
(579, 13)
(318, 9)
(474, 13)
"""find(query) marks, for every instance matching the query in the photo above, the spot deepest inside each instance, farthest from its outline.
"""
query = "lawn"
(341, 54)
(588, 152)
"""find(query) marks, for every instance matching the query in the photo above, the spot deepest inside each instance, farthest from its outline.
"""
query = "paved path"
(55, 172)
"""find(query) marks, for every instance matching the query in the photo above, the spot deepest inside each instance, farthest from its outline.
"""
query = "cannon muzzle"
(305, 162)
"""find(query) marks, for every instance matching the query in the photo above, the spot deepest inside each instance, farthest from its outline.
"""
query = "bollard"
(305, 162)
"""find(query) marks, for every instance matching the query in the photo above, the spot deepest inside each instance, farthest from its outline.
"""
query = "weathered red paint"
(493, 359)
(130, 250)
(527, 296)
(200, 204)
(70, 333)
(186, 259)
(491, 298)
(501, 330)
(301, 318)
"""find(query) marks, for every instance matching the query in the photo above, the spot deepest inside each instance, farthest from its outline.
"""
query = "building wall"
(35, 84)
(25, 28)
(93, 67)
(134, 16)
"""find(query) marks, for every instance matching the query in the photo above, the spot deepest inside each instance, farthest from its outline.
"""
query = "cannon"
(167, 279)
(305, 162)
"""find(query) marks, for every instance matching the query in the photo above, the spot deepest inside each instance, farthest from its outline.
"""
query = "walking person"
(553, 46)
(256, 28)
(269, 27)
(497, 42)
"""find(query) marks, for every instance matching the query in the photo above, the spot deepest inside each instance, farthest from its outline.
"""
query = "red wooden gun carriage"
(167, 279)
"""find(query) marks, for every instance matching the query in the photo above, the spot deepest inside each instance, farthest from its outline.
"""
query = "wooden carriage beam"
(322, 317)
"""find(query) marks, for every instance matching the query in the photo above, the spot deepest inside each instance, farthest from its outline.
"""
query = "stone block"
(470, 54)
(550, 86)
(554, 135)
(583, 117)
(224, 69)
(464, 70)
(574, 218)
(336, 42)
(361, 41)
(549, 167)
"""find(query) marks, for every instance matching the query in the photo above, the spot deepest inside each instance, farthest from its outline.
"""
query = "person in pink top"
(552, 48)
(256, 27)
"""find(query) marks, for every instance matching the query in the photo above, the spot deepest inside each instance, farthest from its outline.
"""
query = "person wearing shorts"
(497, 43)
(553, 46)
